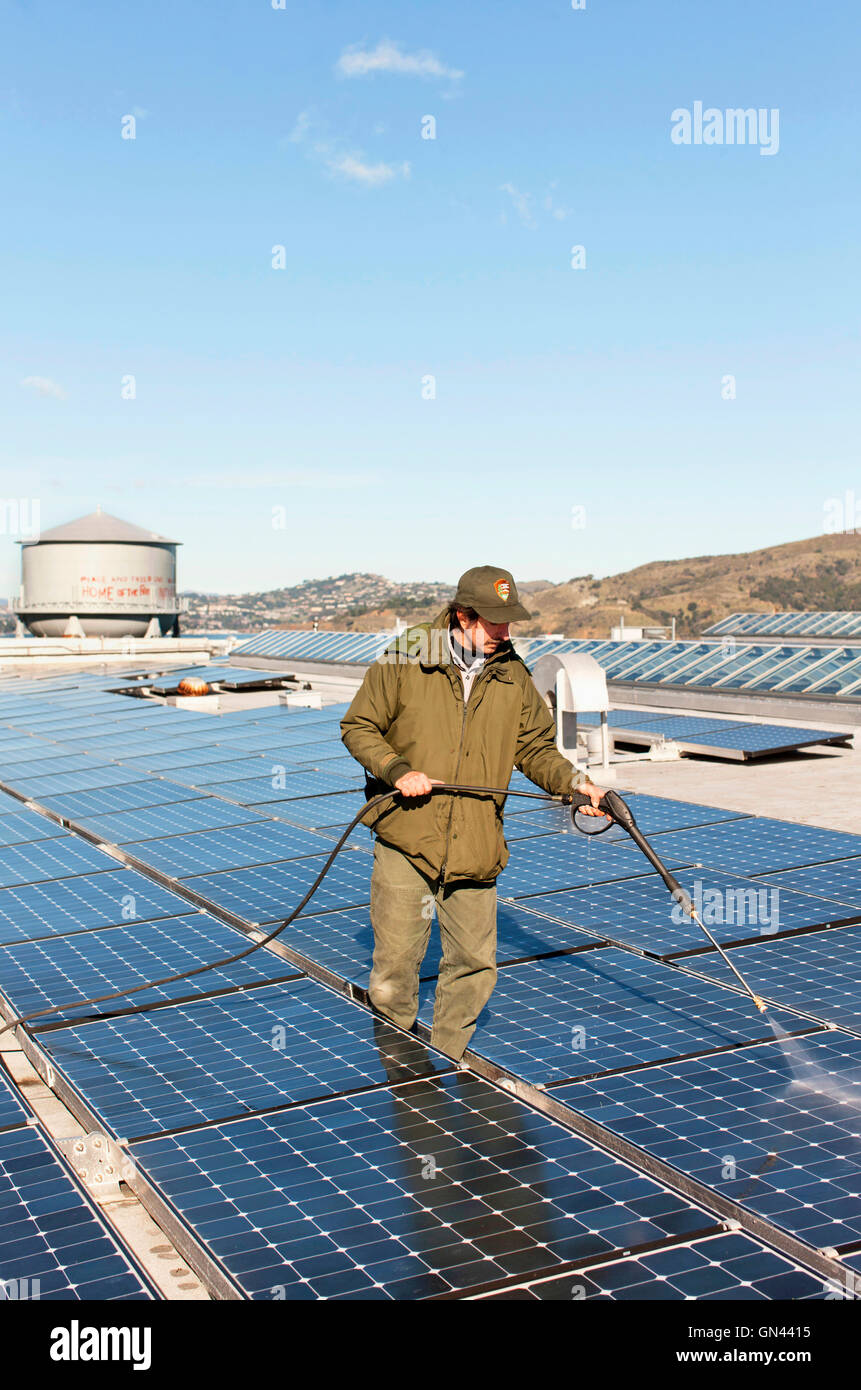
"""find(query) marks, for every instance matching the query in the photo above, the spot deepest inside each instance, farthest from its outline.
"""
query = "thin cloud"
(353, 167)
(390, 57)
(295, 477)
(522, 203)
(44, 386)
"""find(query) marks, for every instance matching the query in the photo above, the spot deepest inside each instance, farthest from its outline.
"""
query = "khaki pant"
(402, 902)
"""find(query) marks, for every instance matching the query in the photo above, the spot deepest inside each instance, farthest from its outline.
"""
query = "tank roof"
(101, 526)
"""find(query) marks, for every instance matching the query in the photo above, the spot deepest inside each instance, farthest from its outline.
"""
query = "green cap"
(492, 592)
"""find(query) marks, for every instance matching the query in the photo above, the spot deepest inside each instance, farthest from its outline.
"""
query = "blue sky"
(302, 388)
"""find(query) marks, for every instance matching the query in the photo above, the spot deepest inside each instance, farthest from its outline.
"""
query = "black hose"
(264, 941)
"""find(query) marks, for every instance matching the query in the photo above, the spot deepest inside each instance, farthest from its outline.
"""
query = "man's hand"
(587, 788)
(414, 784)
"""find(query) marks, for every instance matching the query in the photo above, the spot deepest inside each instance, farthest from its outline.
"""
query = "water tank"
(99, 576)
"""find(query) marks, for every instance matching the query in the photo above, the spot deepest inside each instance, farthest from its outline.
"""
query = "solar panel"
(755, 846)
(401, 1194)
(554, 862)
(57, 783)
(81, 903)
(641, 913)
(760, 739)
(210, 851)
(605, 1010)
(777, 1133)
(59, 857)
(652, 813)
(316, 812)
(819, 973)
(48, 766)
(169, 818)
(27, 826)
(53, 1243)
(721, 1267)
(132, 796)
(12, 1112)
(230, 1056)
(839, 881)
(271, 892)
(40, 974)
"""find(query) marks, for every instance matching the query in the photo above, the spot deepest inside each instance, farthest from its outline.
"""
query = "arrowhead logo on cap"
(503, 589)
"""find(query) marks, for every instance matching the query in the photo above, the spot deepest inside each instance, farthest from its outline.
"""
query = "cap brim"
(504, 614)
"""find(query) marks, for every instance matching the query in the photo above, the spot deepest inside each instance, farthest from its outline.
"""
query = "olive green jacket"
(409, 715)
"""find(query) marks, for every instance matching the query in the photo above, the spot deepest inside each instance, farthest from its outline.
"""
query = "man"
(450, 701)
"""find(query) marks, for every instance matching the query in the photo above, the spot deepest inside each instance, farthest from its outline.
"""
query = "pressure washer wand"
(613, 804)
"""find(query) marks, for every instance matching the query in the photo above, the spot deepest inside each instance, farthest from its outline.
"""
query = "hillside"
(821, 573)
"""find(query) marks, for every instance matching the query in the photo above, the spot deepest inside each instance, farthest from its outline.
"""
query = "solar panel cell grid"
(272, 891)
(59, 857)
(640, 912)
(724, 1267)
(85, 965)
(775, 1131)
(81, 903)
(839, 880)
(403, 1194)
(602, 1011)
(211, 851)
(53, 1245)
(238, 1053)
(168, 819)
(754, 846)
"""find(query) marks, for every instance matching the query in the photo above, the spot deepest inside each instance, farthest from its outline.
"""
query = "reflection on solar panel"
(55, 783)
(756, 845)
(819, 973)
(180, 856)
(81, 903)
(230, 1056)
(272, 891)
(732, 1266)
(52, 1241)
(652, 813)
(403, 1193)
(602, 1011)
(778, 1136)
(845, 624)
(640, 912)
(39, 975)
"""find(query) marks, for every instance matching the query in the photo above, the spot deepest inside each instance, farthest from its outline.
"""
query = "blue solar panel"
(762, 738)
(272, 891)
(48, 767)
(819, 972)
(155, 792)
(605, 1010)
(755, 846)
(716, 1268)
(12, 1112)
(316, 812)
(230, 1056)
(402, 1194)
(652, 814)
(169, 818)
(53, 1243)
(81, 903)
(641, 913)
(27, 826)
(181, 856)
(57, 783)
(839, 881)
(85, 965)
(779, 1134)
(554, 862)
(59, 857)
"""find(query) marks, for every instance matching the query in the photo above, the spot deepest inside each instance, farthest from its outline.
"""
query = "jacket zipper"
(465, 703)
